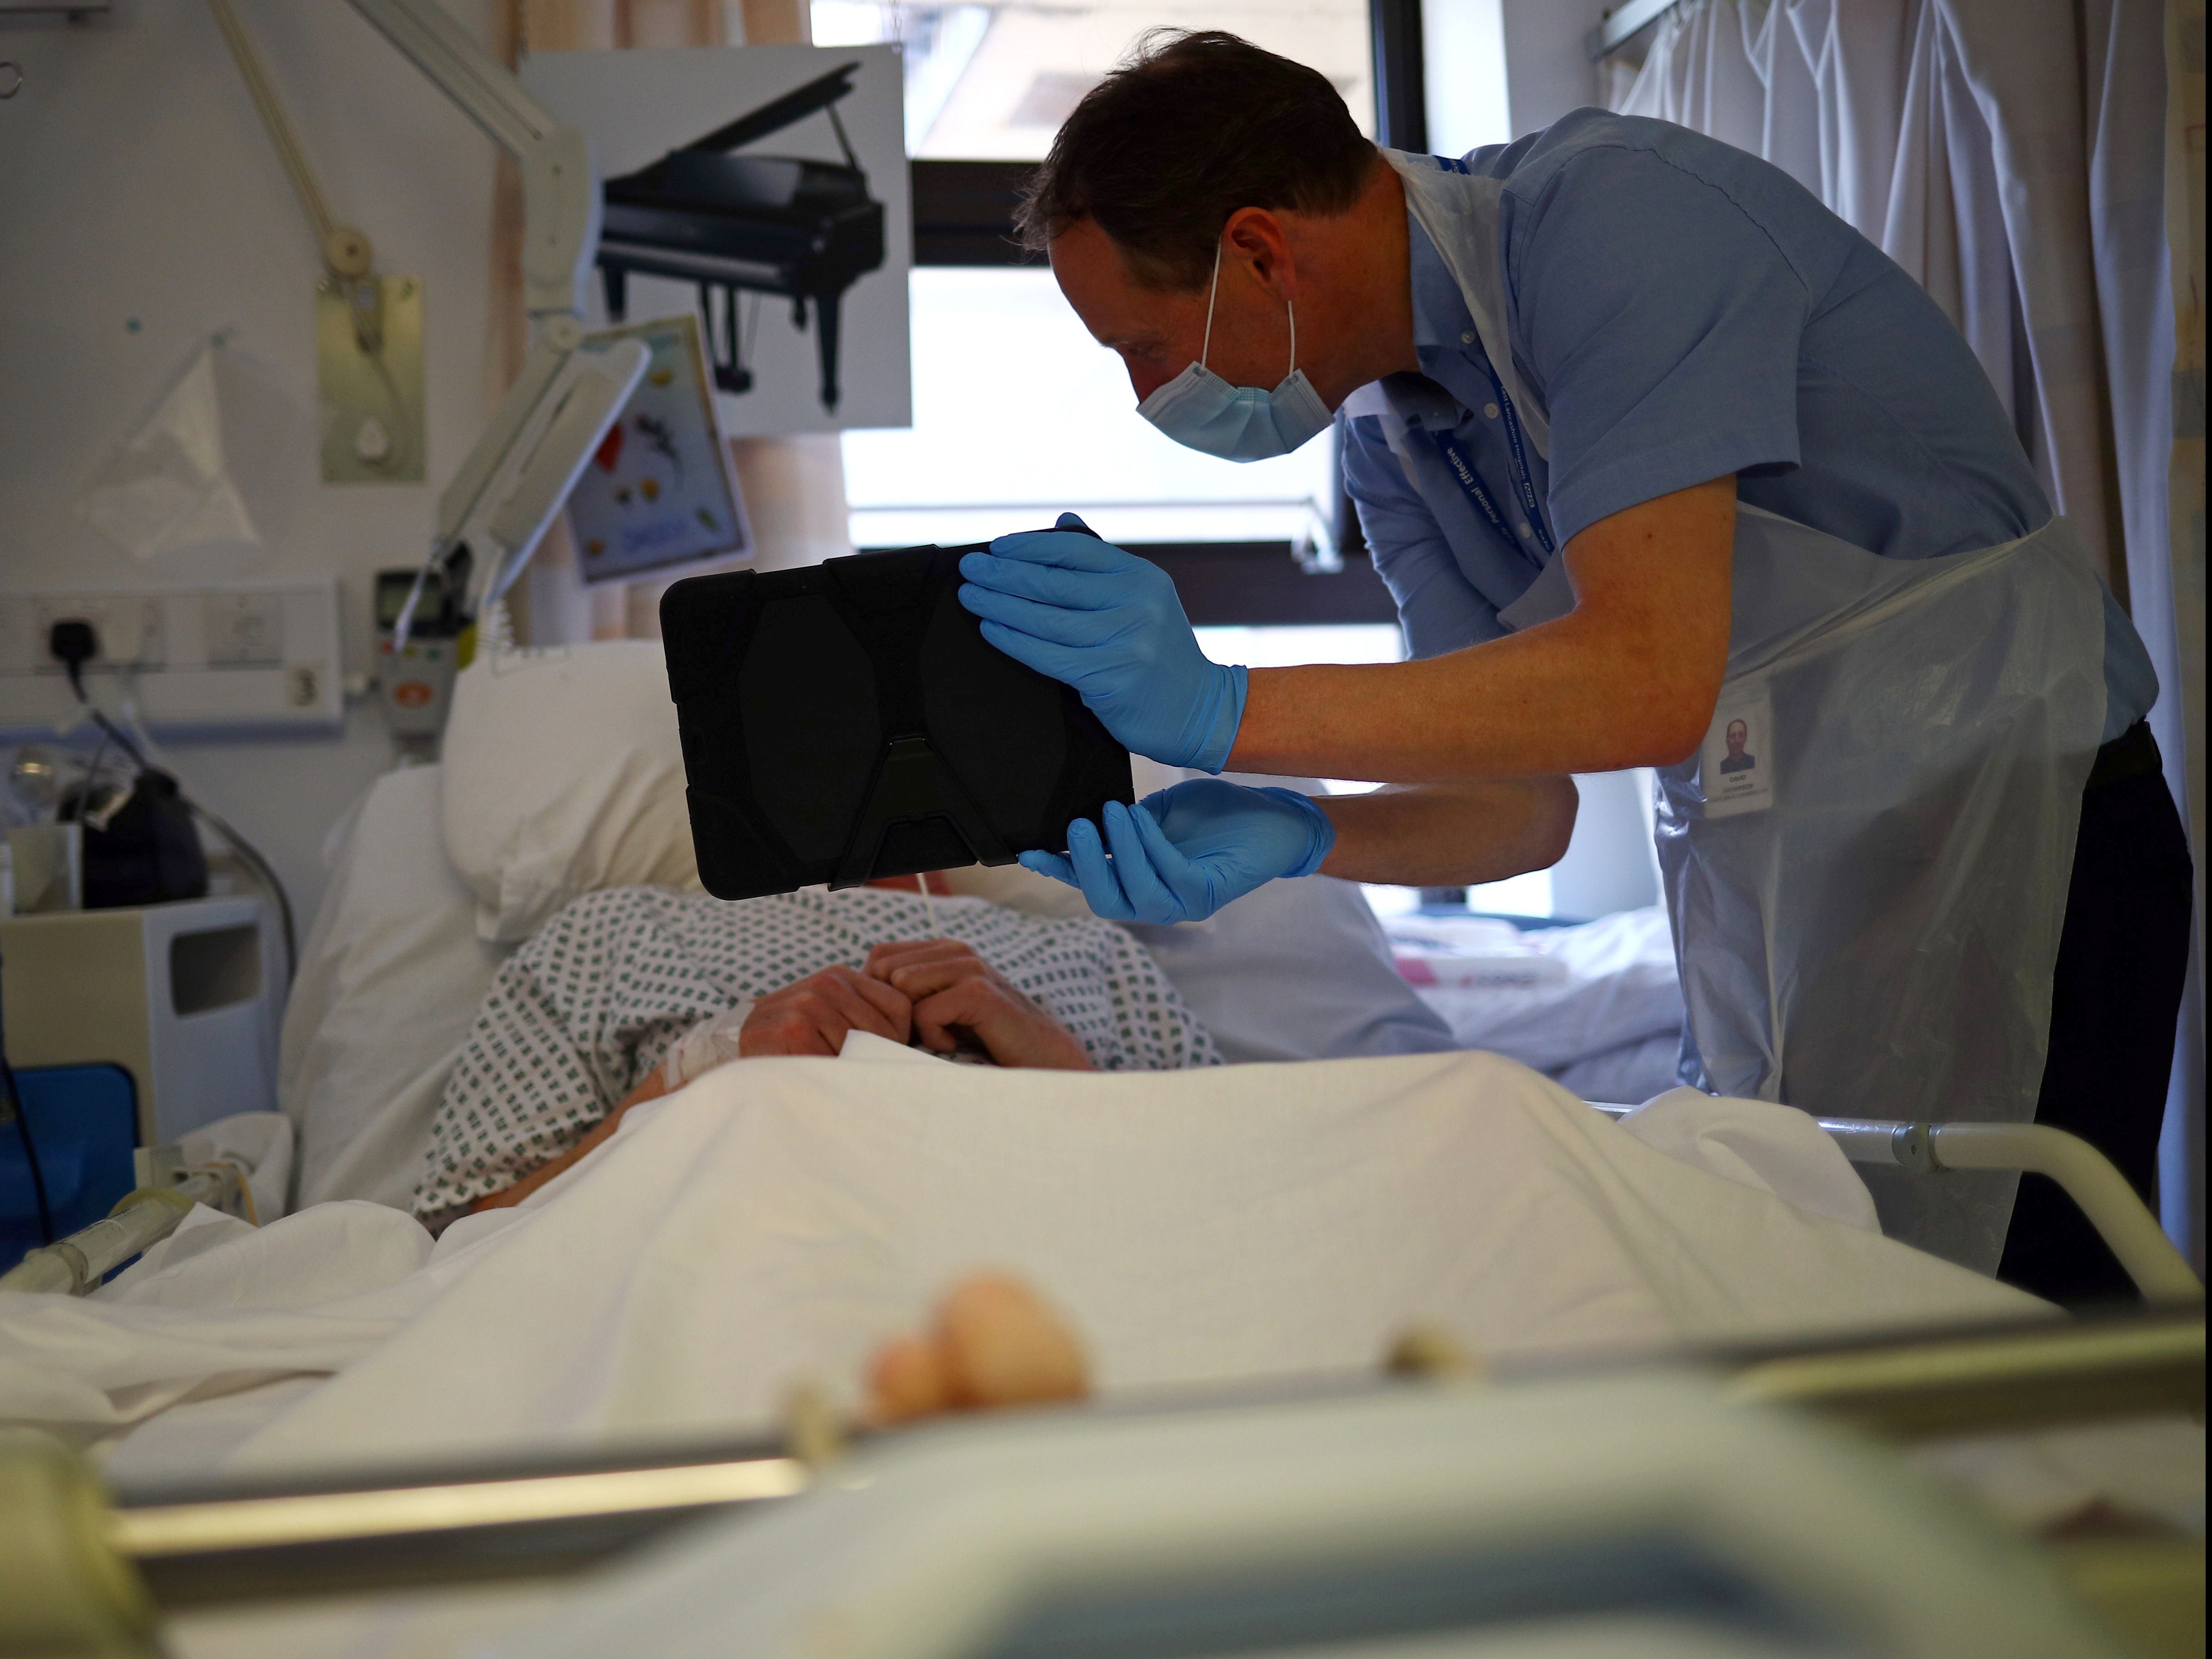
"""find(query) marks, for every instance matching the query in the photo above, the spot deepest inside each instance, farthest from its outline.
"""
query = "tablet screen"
(848, 720)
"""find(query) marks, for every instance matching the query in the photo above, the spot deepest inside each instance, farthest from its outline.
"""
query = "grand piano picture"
(727, 221)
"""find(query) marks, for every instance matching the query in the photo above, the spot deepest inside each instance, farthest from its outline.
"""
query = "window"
(992, 82)
(1018, 414)
(1017, 410)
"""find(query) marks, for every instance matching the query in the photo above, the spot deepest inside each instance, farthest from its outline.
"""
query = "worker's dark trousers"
(2122, 959)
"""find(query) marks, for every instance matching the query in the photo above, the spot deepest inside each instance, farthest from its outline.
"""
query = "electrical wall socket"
(227, 657)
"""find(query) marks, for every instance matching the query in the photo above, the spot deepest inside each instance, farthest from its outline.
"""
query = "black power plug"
(73, 644)
(140, 848)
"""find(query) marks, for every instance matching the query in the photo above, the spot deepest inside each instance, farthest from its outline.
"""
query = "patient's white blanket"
(779, 1218)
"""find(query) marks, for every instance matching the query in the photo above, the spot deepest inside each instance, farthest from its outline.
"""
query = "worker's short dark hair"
(1194, 125)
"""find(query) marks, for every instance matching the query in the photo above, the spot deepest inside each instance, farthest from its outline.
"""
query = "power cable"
(250, 855)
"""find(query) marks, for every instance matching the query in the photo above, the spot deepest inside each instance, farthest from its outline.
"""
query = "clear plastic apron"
(1867, 862)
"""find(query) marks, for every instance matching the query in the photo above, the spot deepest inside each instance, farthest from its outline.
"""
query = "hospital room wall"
(145, 209)
(1548, 70)
(1495, 70)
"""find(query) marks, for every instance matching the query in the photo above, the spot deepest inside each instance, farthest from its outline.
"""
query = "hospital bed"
(204, 1551)
(421, 910)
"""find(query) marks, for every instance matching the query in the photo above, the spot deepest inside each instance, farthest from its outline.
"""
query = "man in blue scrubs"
(1640, 436)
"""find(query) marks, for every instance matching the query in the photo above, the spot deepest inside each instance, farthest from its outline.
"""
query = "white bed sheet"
(778, 1218)
(1600, 1013)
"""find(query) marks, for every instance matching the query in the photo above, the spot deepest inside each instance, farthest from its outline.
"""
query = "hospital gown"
(581, 1014)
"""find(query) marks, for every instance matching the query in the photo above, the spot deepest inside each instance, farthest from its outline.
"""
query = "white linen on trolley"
(777, 1218)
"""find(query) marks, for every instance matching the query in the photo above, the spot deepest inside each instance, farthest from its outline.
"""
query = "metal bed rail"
(75, 1266)
(2161, 1271)
(209, 1545)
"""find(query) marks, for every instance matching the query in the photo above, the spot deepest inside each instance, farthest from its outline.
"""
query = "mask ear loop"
(1213, 293)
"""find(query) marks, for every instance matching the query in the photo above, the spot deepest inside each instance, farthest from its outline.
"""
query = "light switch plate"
(371, 406)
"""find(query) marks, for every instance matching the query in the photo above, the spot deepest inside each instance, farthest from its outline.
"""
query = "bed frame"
(2088, 1177)
(111, 1569)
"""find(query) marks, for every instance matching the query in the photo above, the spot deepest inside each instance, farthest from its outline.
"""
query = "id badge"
(1736, 765)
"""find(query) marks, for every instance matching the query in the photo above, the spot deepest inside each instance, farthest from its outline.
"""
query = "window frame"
(964, 215)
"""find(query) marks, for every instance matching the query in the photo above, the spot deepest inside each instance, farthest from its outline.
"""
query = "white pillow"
(391, 976)
(563, 775)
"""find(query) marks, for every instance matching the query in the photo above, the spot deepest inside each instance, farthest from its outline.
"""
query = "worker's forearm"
(1628, 677)
(1450, 837)
(1549, 700)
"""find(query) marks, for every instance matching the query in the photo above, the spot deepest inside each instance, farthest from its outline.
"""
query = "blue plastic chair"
(83, 1121)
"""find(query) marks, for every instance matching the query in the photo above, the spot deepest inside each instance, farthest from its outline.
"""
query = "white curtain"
(2013, 156)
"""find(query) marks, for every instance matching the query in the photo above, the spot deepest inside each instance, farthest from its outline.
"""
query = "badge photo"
(1736, 765)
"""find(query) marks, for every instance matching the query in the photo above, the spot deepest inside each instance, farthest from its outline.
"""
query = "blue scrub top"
(1685, 310)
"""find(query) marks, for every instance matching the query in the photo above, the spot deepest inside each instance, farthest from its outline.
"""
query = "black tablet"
(847, 720)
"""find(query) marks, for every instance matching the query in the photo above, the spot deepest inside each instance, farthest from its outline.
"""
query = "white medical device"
(415, 676)
(493, 514)
(495, 511)
(188, 997)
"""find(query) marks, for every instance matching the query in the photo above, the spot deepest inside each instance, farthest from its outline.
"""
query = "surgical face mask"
(1200, 409)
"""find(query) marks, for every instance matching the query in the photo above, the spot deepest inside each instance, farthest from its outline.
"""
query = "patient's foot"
(992, 1343)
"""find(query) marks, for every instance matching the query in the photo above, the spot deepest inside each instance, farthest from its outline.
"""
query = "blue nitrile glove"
(1109, 625)
(1182, 854)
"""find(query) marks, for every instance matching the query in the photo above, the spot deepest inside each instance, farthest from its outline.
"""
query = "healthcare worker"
(1650, 448)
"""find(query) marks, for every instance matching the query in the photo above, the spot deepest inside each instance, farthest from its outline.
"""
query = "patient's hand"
(953, 991)
(812, 1016)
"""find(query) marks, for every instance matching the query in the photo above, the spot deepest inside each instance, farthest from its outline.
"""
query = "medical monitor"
(848, 720)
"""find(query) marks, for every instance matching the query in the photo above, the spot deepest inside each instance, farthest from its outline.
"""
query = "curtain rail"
(1628, 19)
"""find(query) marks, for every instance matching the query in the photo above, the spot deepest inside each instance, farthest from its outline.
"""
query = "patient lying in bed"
(629, 993)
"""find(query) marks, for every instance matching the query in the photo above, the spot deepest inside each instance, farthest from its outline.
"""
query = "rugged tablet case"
(848, 720)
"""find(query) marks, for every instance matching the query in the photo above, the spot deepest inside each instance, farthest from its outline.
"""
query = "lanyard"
(1522, 476)
(1469, 481)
